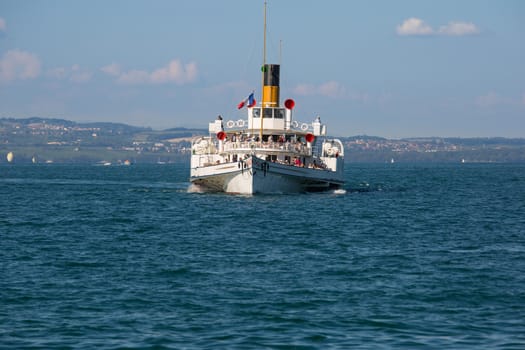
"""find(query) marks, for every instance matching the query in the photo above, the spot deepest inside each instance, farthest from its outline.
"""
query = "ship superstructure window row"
(276, 113)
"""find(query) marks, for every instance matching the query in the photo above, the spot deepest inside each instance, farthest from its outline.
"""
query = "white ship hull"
(255, 175)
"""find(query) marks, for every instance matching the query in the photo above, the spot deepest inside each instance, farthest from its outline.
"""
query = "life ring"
(240, 123)
(230, 123)
(330, 151)
(304, 126)
(295, 124)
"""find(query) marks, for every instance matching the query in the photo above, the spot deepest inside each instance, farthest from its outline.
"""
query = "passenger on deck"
(219, 117)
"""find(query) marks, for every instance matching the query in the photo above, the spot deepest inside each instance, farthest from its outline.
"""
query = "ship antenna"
(281, 51)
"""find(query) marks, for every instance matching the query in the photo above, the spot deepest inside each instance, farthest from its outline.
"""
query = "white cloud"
(305, 90)
(112, 69)
(416, 26)
(17, 64)
(3, 25)
(331, 89)
(74, 73)
(489, 99)
(134, 77)
(492, 99)
(173, 72)
(57, 73)
(79, 75)
(458, 29)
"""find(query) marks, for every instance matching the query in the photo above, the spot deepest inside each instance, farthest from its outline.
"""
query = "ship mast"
(263, 73)
(264, 43)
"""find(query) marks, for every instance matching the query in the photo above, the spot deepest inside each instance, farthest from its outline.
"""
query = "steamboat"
(269, 151)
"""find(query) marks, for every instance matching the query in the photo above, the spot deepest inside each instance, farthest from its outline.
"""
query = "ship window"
(268, 113)
(279, 114)
(256, 112)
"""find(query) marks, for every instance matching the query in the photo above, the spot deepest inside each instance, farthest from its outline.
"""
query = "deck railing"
(268, 147)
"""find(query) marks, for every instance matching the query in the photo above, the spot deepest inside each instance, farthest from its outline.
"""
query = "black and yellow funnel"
(270, 94)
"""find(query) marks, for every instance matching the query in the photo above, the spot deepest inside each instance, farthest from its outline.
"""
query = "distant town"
(46, 140)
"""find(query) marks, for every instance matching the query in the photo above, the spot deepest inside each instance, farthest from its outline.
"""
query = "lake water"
(409, 256)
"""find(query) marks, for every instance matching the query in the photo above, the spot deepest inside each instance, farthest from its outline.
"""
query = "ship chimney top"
(270, 94)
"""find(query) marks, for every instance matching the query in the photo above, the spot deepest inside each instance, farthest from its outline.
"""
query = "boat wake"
(193, 188)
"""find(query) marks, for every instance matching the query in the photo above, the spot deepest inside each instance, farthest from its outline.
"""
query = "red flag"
(240, 105)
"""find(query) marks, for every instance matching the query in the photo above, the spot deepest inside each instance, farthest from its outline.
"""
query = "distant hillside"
(64, 141)
(114, 127)
(434, 149)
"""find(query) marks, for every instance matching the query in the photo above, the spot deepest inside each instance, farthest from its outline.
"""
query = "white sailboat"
(269, 152)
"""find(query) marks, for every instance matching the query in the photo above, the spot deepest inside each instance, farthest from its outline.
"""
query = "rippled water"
(409, 256)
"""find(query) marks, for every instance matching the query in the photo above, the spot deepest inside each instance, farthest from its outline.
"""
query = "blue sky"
(386, 68)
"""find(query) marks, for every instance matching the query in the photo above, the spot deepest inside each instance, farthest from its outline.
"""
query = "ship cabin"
(270, 133)
(283, 140)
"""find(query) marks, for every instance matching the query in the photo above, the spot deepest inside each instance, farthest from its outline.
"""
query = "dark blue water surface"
(410, 256)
